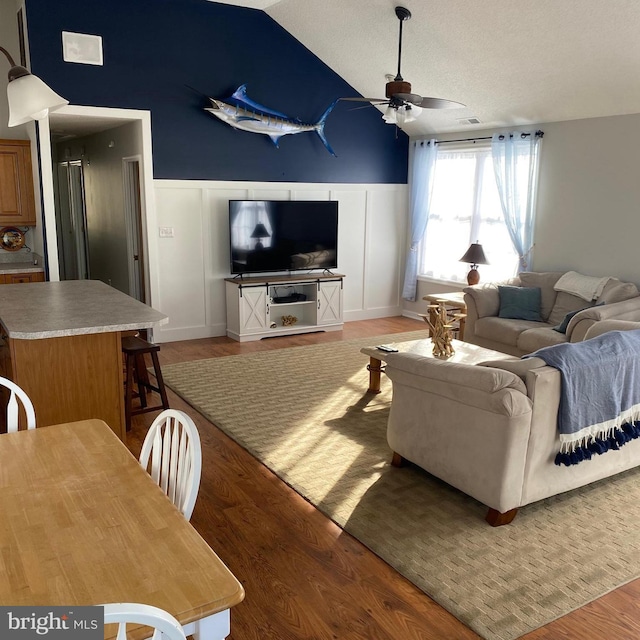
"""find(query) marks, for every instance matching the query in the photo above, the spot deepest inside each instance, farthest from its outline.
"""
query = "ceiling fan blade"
(366, 106)
(412, 98)
(372, 100)
(429, 103)
(440, 103)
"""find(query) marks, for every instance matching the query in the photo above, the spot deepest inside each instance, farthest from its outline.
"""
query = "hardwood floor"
(304, 577)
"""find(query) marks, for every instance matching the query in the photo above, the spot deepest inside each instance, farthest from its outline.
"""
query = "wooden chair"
(172, 455)
(165, 626)
(17, 393)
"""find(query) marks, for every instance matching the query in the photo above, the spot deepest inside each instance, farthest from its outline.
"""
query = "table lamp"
(474, 256)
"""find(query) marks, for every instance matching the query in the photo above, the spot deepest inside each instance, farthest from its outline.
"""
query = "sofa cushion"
(616, 291)
(534, 339)
(503, 330)
(520, 303)
(545, 280)
(565, 303)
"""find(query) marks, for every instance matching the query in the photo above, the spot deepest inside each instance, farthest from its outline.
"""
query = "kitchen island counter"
(61, 342)
(73, 307)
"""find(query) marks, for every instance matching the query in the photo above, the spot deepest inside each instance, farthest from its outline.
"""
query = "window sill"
(450, 283)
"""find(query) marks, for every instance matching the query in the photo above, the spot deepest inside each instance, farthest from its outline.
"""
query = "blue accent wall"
(154, 48)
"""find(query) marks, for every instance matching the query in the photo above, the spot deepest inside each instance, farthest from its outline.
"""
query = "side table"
(456, 309)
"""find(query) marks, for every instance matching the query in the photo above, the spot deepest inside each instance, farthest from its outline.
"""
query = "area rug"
(304, 412)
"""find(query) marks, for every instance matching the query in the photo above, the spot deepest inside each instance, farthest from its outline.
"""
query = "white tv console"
(256, 305)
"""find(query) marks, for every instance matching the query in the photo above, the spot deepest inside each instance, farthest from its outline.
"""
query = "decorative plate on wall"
(11, 239)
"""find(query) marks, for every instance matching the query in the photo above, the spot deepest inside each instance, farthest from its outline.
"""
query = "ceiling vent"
(471, 120)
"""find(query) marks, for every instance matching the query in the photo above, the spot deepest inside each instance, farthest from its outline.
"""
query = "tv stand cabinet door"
(254, 310)
(329, 302)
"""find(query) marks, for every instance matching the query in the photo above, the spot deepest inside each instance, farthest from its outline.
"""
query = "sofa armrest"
(520, 367)
(483, 300)
(611, 325)
(625, 310)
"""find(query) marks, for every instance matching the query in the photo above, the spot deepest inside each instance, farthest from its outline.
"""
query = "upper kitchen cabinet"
(17, 205)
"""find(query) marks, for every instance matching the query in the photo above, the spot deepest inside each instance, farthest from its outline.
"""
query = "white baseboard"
(372, 314)
(411, 314)
(189, 333)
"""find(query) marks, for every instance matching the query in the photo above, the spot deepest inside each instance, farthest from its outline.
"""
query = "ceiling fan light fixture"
(411, 113)
(390, 116)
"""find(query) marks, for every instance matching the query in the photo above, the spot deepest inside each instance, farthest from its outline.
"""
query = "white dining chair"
(172, 455)
(17, 393)
(165, 626)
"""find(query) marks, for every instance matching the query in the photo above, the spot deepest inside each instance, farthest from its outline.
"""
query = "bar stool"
(134, 349)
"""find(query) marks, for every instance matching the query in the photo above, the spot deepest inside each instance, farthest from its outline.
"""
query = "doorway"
(70, 123)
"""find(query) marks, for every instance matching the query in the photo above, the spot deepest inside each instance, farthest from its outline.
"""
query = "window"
(465, 208)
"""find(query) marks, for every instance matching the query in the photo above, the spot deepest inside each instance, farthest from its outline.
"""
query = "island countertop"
(40, 310)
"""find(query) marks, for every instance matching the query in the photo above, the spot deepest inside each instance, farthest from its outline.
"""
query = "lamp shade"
(260, 231)
(390, 116)
(31, 99)
(474, 255)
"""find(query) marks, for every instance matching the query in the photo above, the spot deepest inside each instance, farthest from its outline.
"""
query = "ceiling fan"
(402, 105)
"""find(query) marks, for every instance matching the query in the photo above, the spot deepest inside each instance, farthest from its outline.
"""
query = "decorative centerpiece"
(288, 320)
(441, 335)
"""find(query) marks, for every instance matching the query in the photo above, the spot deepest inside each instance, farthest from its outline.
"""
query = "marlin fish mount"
(240, 112)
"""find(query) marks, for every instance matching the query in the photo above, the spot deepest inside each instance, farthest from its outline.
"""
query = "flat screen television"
(283, 235)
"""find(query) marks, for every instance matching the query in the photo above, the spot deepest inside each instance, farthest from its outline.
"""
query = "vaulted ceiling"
(511, 62)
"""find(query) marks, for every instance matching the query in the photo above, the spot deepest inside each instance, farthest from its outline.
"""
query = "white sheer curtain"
(421, 186)
(465, 208)
(515, 162)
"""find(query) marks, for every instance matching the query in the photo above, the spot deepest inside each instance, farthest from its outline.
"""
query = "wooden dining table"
(82, 523)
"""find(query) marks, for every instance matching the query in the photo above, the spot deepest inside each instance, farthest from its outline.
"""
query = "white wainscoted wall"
(192, 265)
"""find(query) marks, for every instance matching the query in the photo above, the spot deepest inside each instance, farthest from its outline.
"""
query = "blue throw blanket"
(600, 398)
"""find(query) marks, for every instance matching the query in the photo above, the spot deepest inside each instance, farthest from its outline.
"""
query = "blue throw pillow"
(562, 327)
(520, 303)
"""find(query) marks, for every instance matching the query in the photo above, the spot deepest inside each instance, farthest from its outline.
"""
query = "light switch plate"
(166, 232)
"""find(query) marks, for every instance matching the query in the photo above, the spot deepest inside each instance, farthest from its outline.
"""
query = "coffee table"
(465, 353)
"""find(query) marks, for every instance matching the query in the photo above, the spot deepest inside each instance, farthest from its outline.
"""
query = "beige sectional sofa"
(491, 430)
(484, 327)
